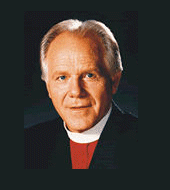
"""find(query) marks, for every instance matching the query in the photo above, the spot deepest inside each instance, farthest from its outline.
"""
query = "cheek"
(56, 94)
(102, 93)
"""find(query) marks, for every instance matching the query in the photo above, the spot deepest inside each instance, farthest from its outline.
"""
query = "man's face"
(80, 91)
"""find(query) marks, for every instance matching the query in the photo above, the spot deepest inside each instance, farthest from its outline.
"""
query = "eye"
(90, 75)
(61, 78)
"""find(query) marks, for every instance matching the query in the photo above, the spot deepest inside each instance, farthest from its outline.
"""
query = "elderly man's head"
(81, 66)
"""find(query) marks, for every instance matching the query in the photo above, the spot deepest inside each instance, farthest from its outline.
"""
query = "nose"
(76, 88)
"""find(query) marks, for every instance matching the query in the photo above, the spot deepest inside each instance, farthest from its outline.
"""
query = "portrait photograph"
(80, 90)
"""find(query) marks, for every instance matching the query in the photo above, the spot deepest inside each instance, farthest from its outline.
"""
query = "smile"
(78, 108)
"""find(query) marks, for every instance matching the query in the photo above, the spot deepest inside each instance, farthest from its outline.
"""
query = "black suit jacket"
(47, 145)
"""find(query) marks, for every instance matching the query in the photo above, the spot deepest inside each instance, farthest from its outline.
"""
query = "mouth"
(79, 108)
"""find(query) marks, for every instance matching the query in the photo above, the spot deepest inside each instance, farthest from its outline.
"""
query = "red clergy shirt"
(81, 154)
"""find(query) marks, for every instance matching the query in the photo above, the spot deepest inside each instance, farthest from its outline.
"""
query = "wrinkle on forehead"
(70, 42)
(70, 50)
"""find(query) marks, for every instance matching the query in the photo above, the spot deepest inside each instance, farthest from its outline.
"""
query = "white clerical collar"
(90, 135)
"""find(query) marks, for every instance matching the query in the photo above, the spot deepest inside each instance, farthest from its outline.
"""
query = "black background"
(124, 25)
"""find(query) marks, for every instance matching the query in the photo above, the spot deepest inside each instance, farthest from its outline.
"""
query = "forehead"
(67, 48)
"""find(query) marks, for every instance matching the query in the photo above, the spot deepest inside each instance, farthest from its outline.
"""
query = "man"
(81, 65)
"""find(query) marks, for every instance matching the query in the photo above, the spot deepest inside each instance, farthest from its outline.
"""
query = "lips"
(79, 107)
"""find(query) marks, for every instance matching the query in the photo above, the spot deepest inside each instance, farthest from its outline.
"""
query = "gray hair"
(112, 57)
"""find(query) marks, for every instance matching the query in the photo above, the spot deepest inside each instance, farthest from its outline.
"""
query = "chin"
(79, 125)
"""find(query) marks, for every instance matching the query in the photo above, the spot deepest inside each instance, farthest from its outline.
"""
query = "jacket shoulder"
(128, 125)
(123, 120)
(130, 120)
(39, 141)
(122, 125)
(44, 128)
(43, 134)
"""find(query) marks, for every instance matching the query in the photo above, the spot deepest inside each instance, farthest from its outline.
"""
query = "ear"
(48, 89)
(115, 82)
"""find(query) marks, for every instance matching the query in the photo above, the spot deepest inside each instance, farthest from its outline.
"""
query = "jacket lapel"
(117, 147)
(106, 152)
